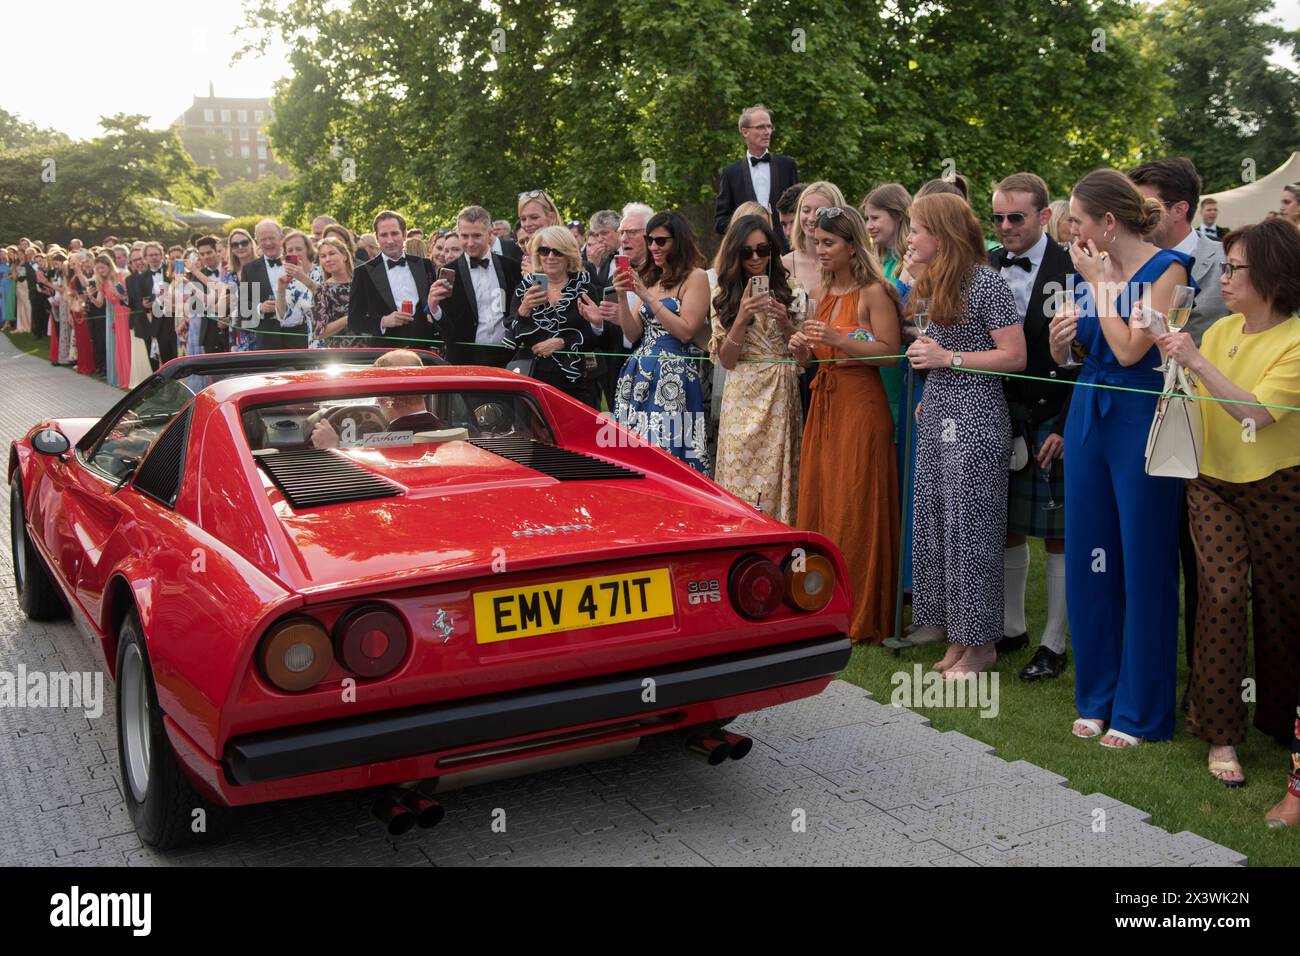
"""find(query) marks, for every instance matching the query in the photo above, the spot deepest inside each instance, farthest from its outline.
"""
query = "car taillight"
(756, 586)
(809, 582)
(370, 640)
(295, 654)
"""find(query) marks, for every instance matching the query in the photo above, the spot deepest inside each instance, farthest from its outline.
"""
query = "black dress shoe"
(1045, 663)
(1006, 645)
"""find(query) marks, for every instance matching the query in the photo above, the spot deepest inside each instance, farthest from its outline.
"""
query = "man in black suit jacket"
(471, 314)
(760, 177)
(382, 285)
(1034, 267)
(1209, 227)
(257, 282)
(162, 326)
(602, 245)
(139, 294)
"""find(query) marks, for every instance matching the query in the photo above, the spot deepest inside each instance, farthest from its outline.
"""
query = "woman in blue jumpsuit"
(1121, 525)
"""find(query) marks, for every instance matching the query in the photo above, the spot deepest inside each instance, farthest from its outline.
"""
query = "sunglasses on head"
(660, 241)
(532, 194)
(830, 212)
(1015, 218)
(543, 251)
(760, 251)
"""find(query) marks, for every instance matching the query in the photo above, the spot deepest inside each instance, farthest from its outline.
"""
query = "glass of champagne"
(921, 317)
(1063, 300)
(1180, 310)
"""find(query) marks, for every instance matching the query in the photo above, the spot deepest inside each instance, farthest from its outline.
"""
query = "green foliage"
(240, 197)
(248, 223)
(1231, 104)
(392, 103)
(15, 132)
(92, 188)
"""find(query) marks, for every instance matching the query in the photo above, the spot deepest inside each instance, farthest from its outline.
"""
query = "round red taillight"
(295, 654)
(757, 586)
(370, 641)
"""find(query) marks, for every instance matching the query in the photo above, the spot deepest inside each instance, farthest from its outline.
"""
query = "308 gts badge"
(703, 592)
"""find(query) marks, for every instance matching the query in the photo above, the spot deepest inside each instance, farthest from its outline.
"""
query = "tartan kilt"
(1027, 492)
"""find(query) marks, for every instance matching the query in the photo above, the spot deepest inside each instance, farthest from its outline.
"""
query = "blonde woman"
(536, 211)
(801, 261)
(329, 303)
(1060, 228)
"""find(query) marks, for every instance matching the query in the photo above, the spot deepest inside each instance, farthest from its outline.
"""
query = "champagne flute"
(1046, 475)
(1062, 300)
(1180, 310)
(921, 317)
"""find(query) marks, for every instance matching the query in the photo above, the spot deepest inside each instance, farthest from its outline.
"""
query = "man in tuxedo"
(471, 313)
(389, 291)
(162, 326)
(1176, 184)
(761, 176)
(139, 295)
(213, 335)
(1034, 268)
(257, 281)
(1209, 228)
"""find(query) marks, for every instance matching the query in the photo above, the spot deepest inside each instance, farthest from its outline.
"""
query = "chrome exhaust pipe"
(740, 746)
(390, 810)
(711, 747)
(426, 811)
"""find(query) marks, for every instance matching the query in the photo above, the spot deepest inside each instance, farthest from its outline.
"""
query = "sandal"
(1129, 740)
(1283, 815)
(1217, 767)
(1089, 723)
(917, 635)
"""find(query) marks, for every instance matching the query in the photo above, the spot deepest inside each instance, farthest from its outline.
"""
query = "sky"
(198, 51)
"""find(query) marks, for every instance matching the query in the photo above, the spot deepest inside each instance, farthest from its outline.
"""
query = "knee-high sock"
(1015, 572)
(1054, 634)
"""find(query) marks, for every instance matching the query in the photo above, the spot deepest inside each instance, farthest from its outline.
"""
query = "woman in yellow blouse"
(1244, 508)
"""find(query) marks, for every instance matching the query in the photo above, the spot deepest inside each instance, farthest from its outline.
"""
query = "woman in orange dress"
(848, 482)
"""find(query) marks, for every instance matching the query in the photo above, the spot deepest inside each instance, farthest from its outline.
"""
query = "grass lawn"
(1167, 780)
(30, 344)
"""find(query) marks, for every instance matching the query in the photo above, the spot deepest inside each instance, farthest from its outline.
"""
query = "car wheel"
(38, 595)
(159, 796)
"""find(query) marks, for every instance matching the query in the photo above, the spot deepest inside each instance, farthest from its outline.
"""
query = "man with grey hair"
(257, 284)
(602, 244)
(318, 226)
(760, 176)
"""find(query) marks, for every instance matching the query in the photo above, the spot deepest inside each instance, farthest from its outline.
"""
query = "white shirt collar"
(1037, 251)
(1189, 243)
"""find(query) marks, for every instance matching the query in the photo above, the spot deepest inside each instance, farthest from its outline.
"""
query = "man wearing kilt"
(1035, 267)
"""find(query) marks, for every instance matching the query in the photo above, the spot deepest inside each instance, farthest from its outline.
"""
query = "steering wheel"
(367, 419)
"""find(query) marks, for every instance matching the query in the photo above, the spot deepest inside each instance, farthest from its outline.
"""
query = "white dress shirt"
(491, 301)
(1020, 281)
(402, 283)
(761, 176)
(1188, 246)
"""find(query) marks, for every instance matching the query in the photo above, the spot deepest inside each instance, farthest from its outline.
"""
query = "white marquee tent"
(1252, 202)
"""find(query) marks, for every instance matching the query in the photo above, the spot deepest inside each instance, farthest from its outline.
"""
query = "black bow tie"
(157, 272)
(272, 261)
(755, 160)
(394, 263)
(1010, 261)
(479, 263)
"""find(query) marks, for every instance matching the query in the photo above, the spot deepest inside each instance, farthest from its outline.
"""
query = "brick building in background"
(229, 133)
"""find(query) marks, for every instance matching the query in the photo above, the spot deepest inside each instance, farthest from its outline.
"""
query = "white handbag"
(1174, 442)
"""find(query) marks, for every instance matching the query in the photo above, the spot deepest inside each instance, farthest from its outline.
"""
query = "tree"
(1234, 110)
(15, 132)
(243, 198)
(95, 187)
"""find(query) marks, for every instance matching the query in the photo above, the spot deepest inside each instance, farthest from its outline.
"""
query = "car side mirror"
(51, 441)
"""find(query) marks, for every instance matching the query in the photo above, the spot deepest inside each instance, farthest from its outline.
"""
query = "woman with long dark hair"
(848, 485)
(660, 396)
(761, 424)
(963, 433)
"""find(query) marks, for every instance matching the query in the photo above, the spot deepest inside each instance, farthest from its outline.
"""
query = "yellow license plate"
(512, 613)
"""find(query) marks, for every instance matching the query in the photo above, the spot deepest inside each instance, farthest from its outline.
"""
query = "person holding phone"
(761, 424)
(1124, 622)
(848, 486)
(470, 311)
(660, 391)
(554, 317)
(294, 290)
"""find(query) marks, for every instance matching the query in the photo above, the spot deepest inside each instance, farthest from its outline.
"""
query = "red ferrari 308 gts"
(309, 574)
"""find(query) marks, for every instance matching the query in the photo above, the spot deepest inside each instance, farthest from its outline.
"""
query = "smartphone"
(447, 277)
(294, 258)
(179, 268)
(610, 292)
(622, 263)
(540, 280)
(758, 285)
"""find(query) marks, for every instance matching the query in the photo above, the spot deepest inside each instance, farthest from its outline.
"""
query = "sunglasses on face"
(1014, 218)
(543, 251)
(761, 251)
(659, 241)
(241, 244)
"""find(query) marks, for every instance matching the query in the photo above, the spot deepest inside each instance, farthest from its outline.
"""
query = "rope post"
(909, 423)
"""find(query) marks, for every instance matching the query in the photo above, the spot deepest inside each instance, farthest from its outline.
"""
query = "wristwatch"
(956, 360)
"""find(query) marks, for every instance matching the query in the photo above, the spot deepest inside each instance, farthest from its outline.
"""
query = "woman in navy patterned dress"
(660, 394)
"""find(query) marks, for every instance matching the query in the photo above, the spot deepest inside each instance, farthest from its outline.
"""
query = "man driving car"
(405, 412)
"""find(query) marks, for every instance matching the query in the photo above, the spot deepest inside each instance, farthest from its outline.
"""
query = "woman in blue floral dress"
(660, 393)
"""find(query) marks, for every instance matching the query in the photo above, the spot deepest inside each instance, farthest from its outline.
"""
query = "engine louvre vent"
(311, 477)
(559, 463)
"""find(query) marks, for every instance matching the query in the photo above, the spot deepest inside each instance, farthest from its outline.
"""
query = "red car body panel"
(211, 574)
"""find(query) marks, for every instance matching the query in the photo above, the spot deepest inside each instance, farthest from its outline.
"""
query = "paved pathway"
(871, 784)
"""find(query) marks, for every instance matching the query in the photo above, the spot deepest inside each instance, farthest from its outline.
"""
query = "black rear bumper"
(317, 748)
